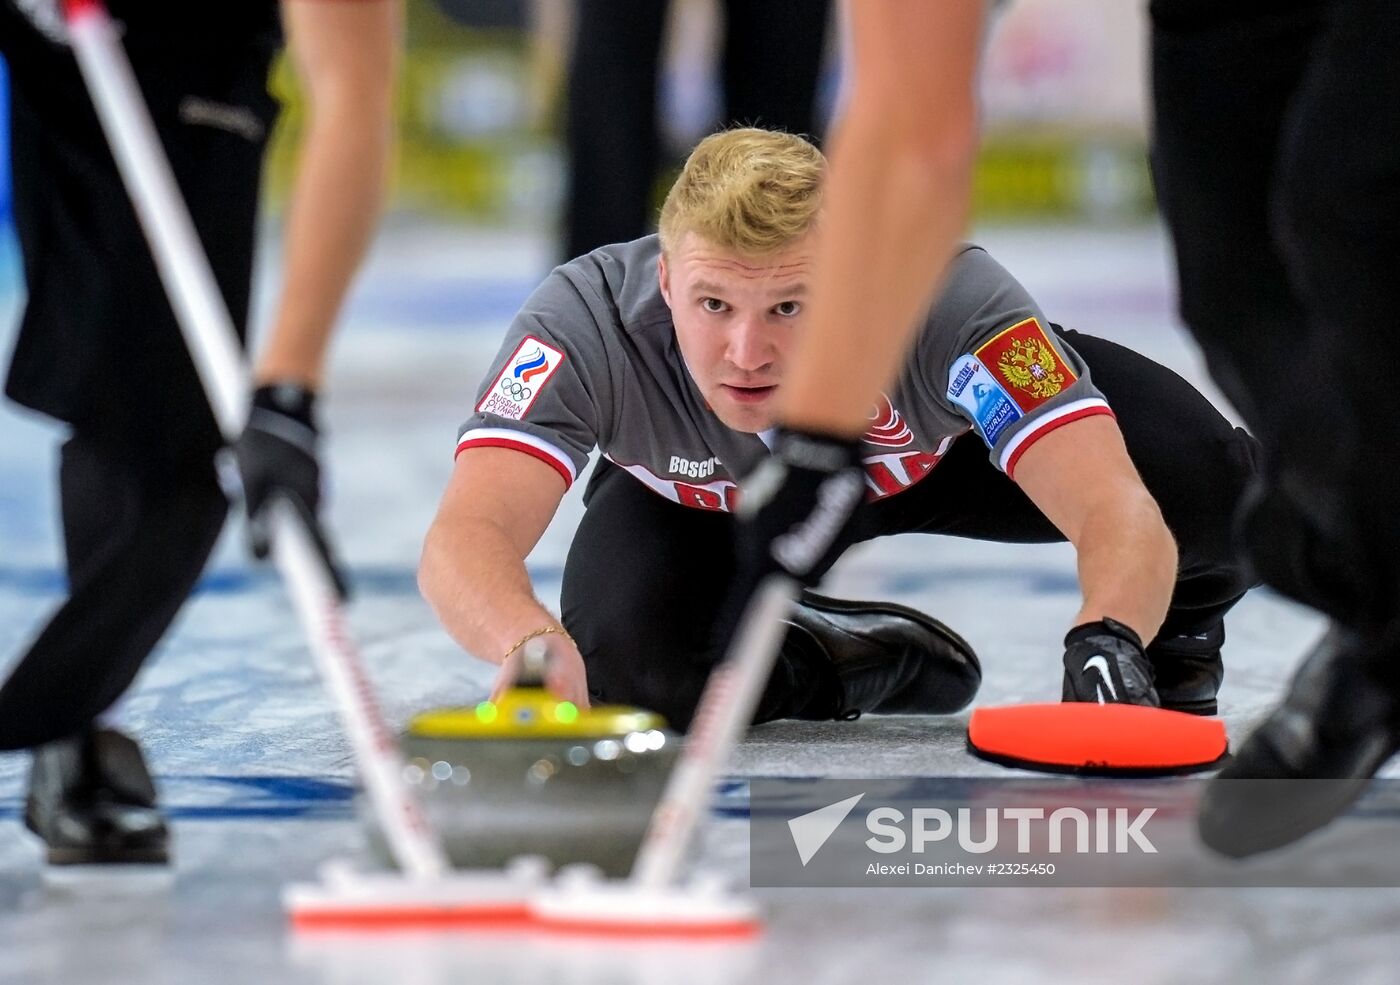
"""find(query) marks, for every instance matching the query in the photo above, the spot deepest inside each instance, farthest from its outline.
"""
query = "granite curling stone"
(529, 774)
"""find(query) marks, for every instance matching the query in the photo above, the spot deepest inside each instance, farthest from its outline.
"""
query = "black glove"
(798, 511)
(277, 457)
(1104, 662)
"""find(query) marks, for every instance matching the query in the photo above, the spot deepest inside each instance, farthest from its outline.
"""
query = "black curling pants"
(1277, 161)
(137, 531)
(99, 349)
(645, 577)
(772, 57)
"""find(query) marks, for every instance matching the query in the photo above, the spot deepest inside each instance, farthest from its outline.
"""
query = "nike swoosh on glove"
(1105, 662)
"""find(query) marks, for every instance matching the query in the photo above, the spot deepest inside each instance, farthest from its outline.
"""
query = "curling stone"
(529, 774)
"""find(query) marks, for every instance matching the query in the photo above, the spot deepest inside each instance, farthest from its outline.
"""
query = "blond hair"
(748, 190)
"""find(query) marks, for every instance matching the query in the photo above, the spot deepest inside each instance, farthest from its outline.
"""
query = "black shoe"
(1187, 670)
(92, 801)
(1105, 663)
(1314, 754)
(888, 659)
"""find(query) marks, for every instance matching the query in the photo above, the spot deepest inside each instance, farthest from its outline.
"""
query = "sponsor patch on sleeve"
(972, 387)
(1026, 364)
(526, 372)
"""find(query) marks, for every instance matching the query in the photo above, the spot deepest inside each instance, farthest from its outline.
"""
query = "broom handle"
(726, 708)
(204, 320)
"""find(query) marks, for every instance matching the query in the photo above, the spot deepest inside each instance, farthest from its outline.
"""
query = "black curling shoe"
(1187, 670)
(888, 659)
(1313, 755)
(91, 799)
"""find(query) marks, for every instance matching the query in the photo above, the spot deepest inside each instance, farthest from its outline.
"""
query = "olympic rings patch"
(521, 380)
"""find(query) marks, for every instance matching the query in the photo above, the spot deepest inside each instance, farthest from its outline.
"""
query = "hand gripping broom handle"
(209, 333)
(726, 708)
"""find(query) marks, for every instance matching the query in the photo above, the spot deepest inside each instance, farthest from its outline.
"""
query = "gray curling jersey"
(591, 361)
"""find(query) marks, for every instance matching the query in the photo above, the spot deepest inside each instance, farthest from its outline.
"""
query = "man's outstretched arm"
(496, 507)
(1081, 478)
(345, 56)
(895, 202)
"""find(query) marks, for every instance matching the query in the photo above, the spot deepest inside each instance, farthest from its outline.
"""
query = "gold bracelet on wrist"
(543, 631)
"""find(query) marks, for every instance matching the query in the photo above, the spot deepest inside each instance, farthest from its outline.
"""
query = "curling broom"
(426, 891)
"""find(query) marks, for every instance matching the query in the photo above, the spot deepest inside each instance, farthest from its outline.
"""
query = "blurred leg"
(100, 349)
(1217, 169)
(772, 58)
(138, 533)
(611, 127)
(1337, 224)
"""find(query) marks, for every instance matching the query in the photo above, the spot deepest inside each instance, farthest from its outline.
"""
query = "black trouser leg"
(772, 58)
(100, 349)
(1219, 109)
(1278, 177)
(138, 532)
(611, 127)
(99, 346)
(643, 585)
(1336, 221)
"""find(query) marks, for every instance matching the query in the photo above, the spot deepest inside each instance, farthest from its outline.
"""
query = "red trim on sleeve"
(530, 450)
(1045, 429)
(73, 9)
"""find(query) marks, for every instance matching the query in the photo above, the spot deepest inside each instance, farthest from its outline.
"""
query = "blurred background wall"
(481, 107)
(481, 110)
